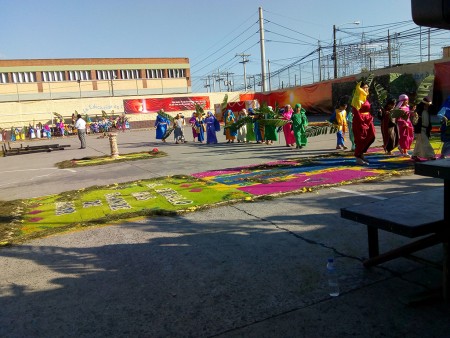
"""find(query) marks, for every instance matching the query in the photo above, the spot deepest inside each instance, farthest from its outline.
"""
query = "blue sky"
(210, 33)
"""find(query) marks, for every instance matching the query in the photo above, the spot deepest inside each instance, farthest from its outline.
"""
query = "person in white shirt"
(80, 125)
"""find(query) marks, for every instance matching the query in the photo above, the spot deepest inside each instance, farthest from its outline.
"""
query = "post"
(389, 49)
(113, 145)
(320, 65)
(334, 52)
(263, 53)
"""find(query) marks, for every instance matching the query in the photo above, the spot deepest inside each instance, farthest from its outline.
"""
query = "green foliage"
(273, 122)
(199, 109)
(59, 116)
(168, 132)
(165, 115)
(312, 131)
(396, 113)
(239, 123)
(424, 89)
(223, 105)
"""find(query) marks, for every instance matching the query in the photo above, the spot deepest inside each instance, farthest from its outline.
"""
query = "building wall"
(173, 76)
(19, 114)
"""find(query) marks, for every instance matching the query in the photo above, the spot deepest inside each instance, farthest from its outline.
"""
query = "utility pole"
(268, 70)
(389, 49)
(263, 52)
(244, 61)
(334, 52)
(320, 65)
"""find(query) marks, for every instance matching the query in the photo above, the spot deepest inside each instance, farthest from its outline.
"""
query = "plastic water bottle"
(333, 283)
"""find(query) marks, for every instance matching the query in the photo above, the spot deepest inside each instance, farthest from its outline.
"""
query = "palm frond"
(424, 89)
(224, 103)
(165, 115)
(369, 79)
(323, 129)
(273, 122)
(168, 132)
(239, 123)
(380, 93)
(396, 113)
(199, 109)
(58, 115)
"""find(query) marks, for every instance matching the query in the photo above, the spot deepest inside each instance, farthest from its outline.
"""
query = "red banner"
(169, 104)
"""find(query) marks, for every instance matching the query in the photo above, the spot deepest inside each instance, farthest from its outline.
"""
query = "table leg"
(446, 240)
(372, 234)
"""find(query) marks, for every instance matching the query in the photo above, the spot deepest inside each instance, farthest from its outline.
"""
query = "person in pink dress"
(287, 128)
(405, 126)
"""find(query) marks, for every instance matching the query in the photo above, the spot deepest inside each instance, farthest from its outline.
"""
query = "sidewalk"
(246, 270)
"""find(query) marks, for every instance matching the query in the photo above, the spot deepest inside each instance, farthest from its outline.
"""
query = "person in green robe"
(299, 124)
(270, 132)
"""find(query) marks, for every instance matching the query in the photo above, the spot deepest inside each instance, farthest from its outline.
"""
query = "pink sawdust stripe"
(307, 181)
(214, 173)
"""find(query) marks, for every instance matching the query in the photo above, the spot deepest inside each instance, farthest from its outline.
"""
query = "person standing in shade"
(389, 129)
(363, 127)
(299, 124)
(422, 131)
(80, 125)
(405, 126)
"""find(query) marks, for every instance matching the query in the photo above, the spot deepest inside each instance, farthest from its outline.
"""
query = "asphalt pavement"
(251, 269)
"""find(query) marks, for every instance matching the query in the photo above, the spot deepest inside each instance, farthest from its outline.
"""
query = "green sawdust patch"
(100, 160)
(43, 216)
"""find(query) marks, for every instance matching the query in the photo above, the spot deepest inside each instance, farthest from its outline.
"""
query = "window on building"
(53, 76)
(83, 75)
(127, 74)
(106, 74)
(154, 73)
(3, 77)
(176, 73)
(23, 77)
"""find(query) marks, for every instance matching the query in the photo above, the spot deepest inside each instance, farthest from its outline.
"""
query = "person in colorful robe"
(341, 122)
(211, 128)
(199, 126)
(444, 114)
(405, 127)
(422, 132)
(270, 132)
(229, 118)
(287, 128)
(242, 131)
(389, 129)
(257, 128)
(161, 125)
(363, 127)
(193, 127)
(299, 124)
(251, 136)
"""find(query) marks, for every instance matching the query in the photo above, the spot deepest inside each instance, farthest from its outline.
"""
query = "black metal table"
(441, 169)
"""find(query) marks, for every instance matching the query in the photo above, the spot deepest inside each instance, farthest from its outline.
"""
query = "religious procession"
(401, 120)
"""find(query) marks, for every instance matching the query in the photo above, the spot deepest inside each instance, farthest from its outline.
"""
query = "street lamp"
(335, 28)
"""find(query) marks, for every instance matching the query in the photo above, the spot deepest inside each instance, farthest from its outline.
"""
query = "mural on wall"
(169, 104)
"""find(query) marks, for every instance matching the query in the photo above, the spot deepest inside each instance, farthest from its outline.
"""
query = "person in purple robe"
(211, 128)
